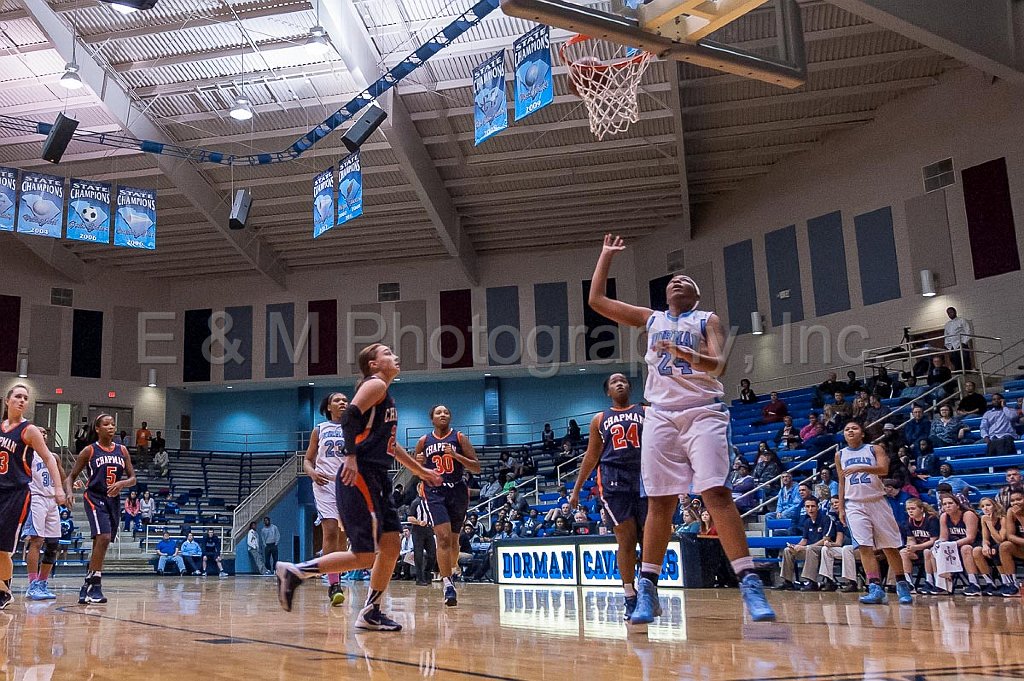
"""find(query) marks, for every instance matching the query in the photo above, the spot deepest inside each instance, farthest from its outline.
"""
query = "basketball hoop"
(608, 86)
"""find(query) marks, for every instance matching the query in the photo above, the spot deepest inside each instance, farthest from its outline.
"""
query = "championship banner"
(8, 198)
(42, 205)
(135, 218)
(534, 88)
(490, 104)
(350, 189)
(89, 211)
(323, 202)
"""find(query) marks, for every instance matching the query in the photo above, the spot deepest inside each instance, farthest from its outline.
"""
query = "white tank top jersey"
(672, 383)
(41, 484)
(331, 448)
(861, 486)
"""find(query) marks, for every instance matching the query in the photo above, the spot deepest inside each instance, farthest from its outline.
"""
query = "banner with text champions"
(42, 205)
(490, 104)
(8, 198)
(135, 218)
(350, 189)
(89, 211)
(531, 55)
(323, 202)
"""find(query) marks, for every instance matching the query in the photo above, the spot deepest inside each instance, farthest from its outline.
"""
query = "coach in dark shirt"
(815, 528)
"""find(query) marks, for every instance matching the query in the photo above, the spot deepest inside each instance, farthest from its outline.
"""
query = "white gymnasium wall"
(967, 117)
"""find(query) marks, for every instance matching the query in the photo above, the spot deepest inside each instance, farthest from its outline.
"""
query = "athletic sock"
(930, 578)
(973, 579)
(32, 577)
(900, 577)
(650, 571)
(446, 582)
(630, 590)
(373, 598)
(874, 579)
(1006, 579)
(310, 568)
(743, 566)
(988, 580)
(333, 578)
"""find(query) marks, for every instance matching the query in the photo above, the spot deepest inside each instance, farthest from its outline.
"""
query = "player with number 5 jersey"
(110, 471)
(686, 429)
(449, 453)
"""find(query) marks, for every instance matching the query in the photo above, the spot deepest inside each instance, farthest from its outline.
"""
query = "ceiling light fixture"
(71, 80)
(317, 43)
(242, 110)
(130, 6)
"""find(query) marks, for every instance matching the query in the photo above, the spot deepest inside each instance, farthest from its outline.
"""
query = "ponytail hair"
(928, 509)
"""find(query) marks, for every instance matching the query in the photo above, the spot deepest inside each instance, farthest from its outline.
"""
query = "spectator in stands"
(510, 483)
(853, 384)
(690, 523)
(147, 508)
(491, 489)
(917, 428)
(517, 502)
(564, 455)
(707, 525)
(899, 472)
(998, 427)
(561, 528)
(1013, 482)
(881, 384)
(211, 552)
(947, 430)
(158, 443)
(837, 413)
(191, 553)
(1020, 416)
(957, 485)
(747, 395)
(398, 496)
(927, 461)
(959, 524)
(547, 438)
(563, 495)
(572, 434)
(403, 568)
(993, 533)
(82, 435)
(167, 550)
(837, 545)
(767, 468)
(132, 513)
(252, 544)
(875, 418)
(921, 530)
(504, 464)
(271, 537)
(563, 511)
(956, 338)
(815, 529)
(972, 403)
(829, 387)
(859, 410)
(743, 482)
(790, 502)
(1013, 547)
(938, 375)
(788, 436)
(912, 391)
(826, 487)
(527, 466)
(142, 440)
(806, 491)
(897, 499)
(773, 411)
(161, 463)
(530, 525)
(814, 437)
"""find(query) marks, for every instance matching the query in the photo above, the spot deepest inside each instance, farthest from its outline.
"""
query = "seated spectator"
(132, 513)
(690, 523)
(191, 551)
(1013, 547)
(829, 387)
(789, 502)
(398, 496)
(565, 455)
(747, 395)
(562, 528)
(814, 437)
(859, 410)
(167, 550)
(161, 464)
(530, 524)
(563, 495)
(881, 384)
(788, 436)
(1013, 481)
(958, 525)
(957, 485)
(900, 473)
(528, 467)
(815, 530)
(406, 557)
(517, 502)
(211, 552)
(838, 544)
(897, 499)
(773, 411)
(491, 489)
(743, 482)
(998, 427)
(510, 483)
(921, 530)
(147, 508)
(853, 384)
(912, 391)
(875, 418)
(504, 464)
(707, 525)
(938, 374)
(826, 488)
(928, 461)
(837, 413)
(972, 403)
(917, 428)
(993, 533)
(563, 511)
(767, 468)
(474, 520)
(947, 430)
(547, 438)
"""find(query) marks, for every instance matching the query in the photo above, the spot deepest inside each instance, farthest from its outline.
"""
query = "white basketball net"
(607, 86)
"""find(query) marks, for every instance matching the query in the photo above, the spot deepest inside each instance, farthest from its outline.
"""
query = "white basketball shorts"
(43, 518)
(686, 450)
(872, 524)
(326, 501)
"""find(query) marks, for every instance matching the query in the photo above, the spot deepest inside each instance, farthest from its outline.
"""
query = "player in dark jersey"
(614, 449)
(368, 515)
(18, 440)
(449, 453)
(110, 471)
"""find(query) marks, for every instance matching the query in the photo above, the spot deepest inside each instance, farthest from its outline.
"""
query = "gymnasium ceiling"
(544, 183)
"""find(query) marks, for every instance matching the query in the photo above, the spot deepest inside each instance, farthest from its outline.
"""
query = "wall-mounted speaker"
(240, 209)
(364, 127)
(59, 138)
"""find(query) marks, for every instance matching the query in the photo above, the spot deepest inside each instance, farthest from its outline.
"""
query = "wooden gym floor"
(187, 628)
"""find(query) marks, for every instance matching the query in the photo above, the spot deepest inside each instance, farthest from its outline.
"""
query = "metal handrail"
(536, 480)
(242, 514)
(835, 448)
(558, 469)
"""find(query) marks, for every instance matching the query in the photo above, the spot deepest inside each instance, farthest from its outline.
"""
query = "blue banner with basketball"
(135, 218)
(531, 55)
(8, 198)
(490, 103)
(89, 211)
(41, 212)
(350, 189)
(323, 202)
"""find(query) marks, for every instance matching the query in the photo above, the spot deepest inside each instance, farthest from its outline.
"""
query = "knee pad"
(50, 549)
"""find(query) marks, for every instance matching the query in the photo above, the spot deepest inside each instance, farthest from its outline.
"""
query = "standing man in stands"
(956, 338)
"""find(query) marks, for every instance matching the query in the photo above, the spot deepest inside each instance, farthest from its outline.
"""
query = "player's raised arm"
(616, 310)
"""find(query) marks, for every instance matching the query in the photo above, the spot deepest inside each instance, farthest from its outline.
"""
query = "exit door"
(122, 418)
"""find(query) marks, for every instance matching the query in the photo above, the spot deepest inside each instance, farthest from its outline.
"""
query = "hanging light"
(242, 110)
(23, 367)
(317, 43)
(71, 80)
(123, 9)
(152, 378)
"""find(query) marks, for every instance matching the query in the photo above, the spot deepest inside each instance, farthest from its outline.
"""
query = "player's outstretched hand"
(574, 499)
(613, 244)
(349, 471)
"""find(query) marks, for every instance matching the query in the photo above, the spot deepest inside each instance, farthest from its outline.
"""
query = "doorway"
(123, 418)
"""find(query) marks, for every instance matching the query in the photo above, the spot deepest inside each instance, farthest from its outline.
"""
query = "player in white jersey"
(863, 508)
(686, 430)
(324, 456)
(42, 529)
